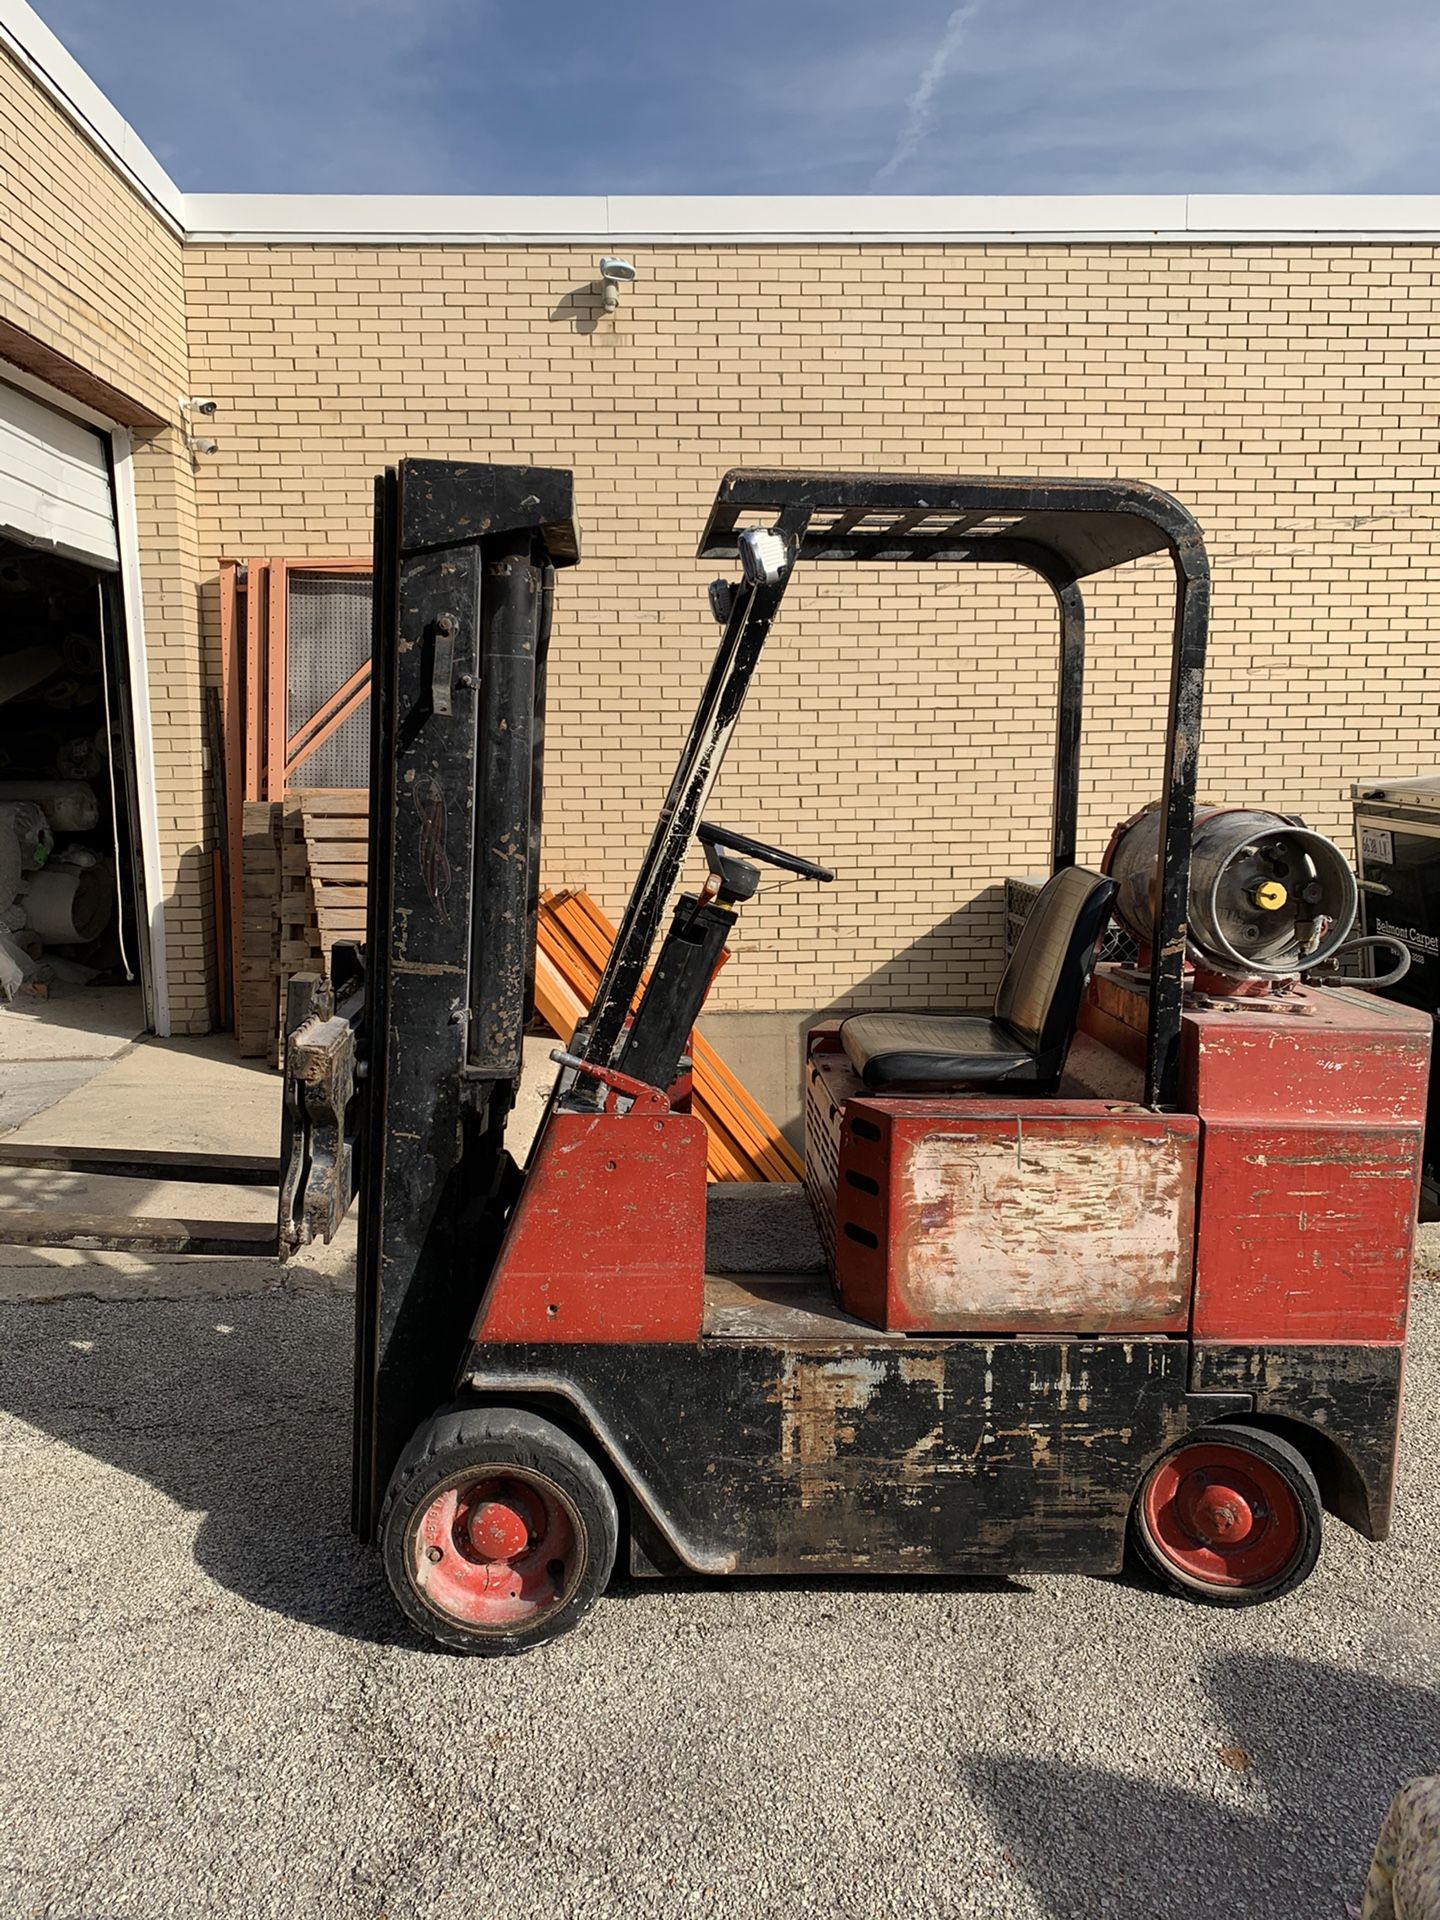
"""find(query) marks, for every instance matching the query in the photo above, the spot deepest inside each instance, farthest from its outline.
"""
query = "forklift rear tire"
(1230, 1517)
(499, 1531)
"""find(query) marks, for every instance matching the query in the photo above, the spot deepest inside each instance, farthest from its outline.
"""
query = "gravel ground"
(212, 1709)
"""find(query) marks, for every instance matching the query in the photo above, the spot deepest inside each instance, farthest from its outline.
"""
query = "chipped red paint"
(608, 1239)
(1312, 1107)
(993, 1215)
(1306, 1232)
(1316, 1054)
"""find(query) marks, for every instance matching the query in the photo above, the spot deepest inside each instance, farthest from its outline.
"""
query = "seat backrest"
(1040, 992)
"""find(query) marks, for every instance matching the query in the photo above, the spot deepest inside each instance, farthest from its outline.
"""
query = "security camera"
(612, 272)
(204, 407)
(204, 444)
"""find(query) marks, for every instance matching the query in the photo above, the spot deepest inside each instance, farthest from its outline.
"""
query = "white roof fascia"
(620, 219)
(26, 37)
(408, 217)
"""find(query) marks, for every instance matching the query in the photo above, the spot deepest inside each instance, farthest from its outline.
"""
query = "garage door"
(54, 482)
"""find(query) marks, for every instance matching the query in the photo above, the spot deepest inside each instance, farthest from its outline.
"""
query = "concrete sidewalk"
(178, 1095)
(52, 1048)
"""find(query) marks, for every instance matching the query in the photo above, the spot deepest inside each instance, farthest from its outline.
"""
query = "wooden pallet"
(322, 843)
(257, 1000)
(334, 825)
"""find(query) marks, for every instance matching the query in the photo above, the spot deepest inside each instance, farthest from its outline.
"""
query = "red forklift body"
(1114, 1261)
(609, 1195)
(1001, 1216)
(1313, 1113)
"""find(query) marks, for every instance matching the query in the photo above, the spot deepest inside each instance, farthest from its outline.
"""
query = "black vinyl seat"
(1023, 1041)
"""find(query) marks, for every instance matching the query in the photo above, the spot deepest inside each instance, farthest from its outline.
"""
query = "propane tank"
(1268, 897)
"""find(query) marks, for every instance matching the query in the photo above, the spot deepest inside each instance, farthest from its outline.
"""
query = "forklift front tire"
(499, 1531)
(1230, 1517)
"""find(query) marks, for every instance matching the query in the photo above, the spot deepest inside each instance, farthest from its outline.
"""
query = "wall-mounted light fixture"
(613, 274)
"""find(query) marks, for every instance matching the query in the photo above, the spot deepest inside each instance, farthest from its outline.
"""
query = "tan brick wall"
(86, 266)
(92, 277)
(900, 728)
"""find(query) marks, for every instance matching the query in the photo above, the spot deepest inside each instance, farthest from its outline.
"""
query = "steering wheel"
(709, 835)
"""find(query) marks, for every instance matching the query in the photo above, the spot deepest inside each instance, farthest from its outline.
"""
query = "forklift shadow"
(1313, 1752)
(238, 1411)
(967, 943)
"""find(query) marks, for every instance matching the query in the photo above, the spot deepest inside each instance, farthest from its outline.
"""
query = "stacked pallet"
(575, 938)
(297, 933)
(302, 888)
(331, 852)
(256, 985)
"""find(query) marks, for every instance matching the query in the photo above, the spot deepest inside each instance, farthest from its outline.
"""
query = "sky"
(772, 96)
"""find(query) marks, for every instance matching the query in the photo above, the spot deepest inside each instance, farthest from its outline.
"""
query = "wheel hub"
(496, 1549)
(1217, 1515)
(496, 1530)
(1222, 1516)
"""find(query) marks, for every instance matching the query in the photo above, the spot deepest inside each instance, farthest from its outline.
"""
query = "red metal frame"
(256, 574)
(608, 1241)
(232, 727)
(262, 757)
(333, 712)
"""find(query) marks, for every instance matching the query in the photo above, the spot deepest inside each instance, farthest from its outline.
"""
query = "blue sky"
(784, 96)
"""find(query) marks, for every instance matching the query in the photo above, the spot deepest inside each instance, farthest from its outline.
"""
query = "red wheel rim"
(496, 1549)
(1223, 1517)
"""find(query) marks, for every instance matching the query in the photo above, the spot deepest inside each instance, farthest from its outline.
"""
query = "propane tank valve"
(1269, 899)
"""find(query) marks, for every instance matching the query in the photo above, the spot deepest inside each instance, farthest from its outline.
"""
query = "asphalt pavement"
(210, 1708)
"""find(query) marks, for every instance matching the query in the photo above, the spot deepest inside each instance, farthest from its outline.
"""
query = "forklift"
(1117, 1264)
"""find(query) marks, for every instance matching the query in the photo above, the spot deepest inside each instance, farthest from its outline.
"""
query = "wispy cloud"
(920, 107)
(434, 96)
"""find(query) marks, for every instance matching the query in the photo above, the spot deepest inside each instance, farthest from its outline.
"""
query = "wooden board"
(743, 1143)
(256, 985)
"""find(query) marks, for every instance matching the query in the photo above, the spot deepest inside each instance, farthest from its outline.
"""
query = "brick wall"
(92, 298)
(900, 728)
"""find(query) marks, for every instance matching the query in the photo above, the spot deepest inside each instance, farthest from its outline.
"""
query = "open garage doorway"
(74, 953)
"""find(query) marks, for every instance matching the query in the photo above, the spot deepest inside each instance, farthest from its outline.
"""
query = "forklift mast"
(465, 559)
